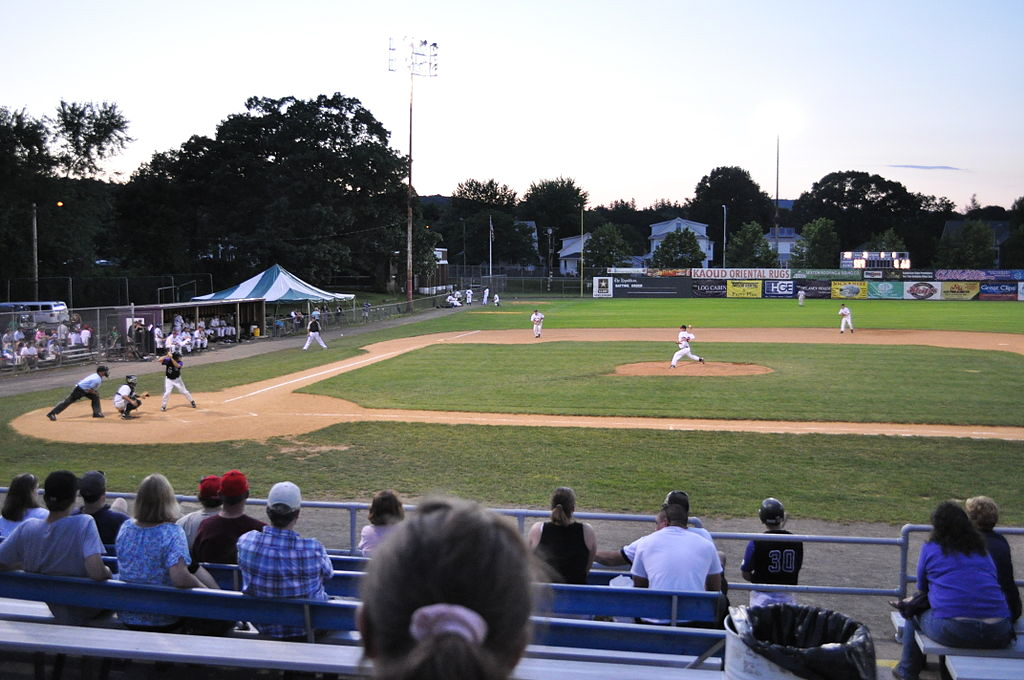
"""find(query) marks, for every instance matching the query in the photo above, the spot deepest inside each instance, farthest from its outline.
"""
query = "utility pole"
(422, 61)
(35, 255)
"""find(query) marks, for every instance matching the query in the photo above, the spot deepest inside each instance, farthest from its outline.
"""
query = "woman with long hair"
(568, 547)
(151, 548)
(448, 595)
(21, 503)
(385, 512)
(967, 607)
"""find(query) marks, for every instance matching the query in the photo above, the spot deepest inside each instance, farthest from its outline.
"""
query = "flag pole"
(490, 243)
(581, 252)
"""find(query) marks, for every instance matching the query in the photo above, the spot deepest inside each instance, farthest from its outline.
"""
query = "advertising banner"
(651, 287)
(743, 289)
(709, 289)
(817, 289)
(779, 289)
(824, 274)
(922, 290)
(740, 274)
(849, 290)
(668, 272)
(960, 290)
(885, 290)
(979, 275)
(603, 287)
(998, 291)
(918, 275)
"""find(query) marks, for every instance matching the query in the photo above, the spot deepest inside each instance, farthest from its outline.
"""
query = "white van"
(31, 314)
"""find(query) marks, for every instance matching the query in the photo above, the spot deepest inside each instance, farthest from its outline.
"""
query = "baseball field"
(922, 403)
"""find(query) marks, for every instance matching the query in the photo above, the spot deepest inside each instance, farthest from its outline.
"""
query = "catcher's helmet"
(103, 369)
(772, 512)
(176, 356)
(131, 380)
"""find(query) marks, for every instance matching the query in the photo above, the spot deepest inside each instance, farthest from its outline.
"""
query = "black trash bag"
(812, 643)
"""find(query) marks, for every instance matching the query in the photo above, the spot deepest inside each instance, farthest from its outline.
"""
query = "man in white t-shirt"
(676, 558)
(626, 554)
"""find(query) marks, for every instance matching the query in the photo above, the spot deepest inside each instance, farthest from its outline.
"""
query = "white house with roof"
(660, 230)
(570, 253)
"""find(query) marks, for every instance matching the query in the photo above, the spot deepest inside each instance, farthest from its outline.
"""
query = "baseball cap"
(93, 483)
(233, 484)
(677, 498)
(286, 494)
(209, 486)
(60, 485)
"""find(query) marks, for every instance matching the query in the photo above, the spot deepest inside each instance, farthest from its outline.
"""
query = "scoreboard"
(863, 259)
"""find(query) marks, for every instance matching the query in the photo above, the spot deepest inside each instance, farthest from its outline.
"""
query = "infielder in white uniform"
(846, 318)
(684, 347)
(487, 294)
(538, 322)
(469, 297)
(313, 330)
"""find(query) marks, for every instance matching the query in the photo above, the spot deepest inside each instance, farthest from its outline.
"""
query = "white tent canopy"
(276, 284)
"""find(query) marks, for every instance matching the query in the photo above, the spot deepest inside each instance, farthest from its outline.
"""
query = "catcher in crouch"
(125, 399)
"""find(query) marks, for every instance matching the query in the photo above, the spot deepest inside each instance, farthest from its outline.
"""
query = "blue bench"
(984, 668)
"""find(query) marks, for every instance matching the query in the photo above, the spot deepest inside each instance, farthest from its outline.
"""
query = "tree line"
(314, 186)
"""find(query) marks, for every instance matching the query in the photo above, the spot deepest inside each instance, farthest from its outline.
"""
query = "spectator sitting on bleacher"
(676, 558)
(75, 338)
(151, 548)
(93, 489)
(86, 336)
(448, 595)
(624, 555)
(776, 562)
(968, 609)
(278, 562)
(209, 498)
(385, 512)
(984, 513)
(60, 545)
(568, 547)
(29, 355)
(20, 503)
(218, 534)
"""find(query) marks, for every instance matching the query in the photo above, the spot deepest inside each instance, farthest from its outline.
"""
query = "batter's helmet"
(176, 356)
(772, 512)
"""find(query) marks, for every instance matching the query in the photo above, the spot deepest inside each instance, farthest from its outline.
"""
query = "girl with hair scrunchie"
(448, 595)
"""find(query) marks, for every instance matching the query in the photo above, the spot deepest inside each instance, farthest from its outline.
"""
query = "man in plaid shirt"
(278, 562)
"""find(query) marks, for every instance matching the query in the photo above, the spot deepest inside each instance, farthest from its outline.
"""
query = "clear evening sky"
(632, 98)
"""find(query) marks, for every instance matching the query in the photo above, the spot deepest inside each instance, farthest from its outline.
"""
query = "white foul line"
(379, 357)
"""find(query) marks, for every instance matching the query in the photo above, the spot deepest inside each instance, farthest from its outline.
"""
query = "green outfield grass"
(1002, 317)
(859, 383)
(855, 478)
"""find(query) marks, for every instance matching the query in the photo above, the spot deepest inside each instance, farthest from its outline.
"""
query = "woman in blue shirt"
(968, 608)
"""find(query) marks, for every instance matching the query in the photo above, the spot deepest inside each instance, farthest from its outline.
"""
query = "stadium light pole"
(725, 215)
(422, 61)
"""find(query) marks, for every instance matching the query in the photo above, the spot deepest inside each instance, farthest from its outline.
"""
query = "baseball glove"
(145, 394)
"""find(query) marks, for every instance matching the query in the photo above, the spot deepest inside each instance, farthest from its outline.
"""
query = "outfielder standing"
(538, 322)
(125, 399)
(846, 318)
(683, 341)
(314, 334)
(172, 379)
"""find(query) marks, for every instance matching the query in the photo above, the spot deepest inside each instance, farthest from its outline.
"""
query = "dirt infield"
(272, 408)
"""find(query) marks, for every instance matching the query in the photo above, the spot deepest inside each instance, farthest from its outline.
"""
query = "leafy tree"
(606, 248)
(555, 203)
(732, 187)
(818, 247)
(1013, 250)
(887, 240)
(749, 248)
(972, 248)
(679, 249)
(859, 205)
(87, 134)
(473, 195)
(310, 184)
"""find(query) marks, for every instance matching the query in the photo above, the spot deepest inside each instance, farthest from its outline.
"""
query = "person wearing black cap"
(93, 489)
(625, 554)
(62, 545)
(88, 387)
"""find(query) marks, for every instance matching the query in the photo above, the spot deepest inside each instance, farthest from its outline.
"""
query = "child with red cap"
(218, 534)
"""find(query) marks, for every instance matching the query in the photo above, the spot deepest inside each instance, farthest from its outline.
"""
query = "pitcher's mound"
(692, 368)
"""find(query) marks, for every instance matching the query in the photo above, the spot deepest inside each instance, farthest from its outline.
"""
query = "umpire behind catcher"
(89, 387)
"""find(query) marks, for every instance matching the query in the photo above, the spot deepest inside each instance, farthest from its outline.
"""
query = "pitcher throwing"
(683, 341)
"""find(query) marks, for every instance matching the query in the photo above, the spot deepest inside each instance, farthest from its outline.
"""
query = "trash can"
(785, 641)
